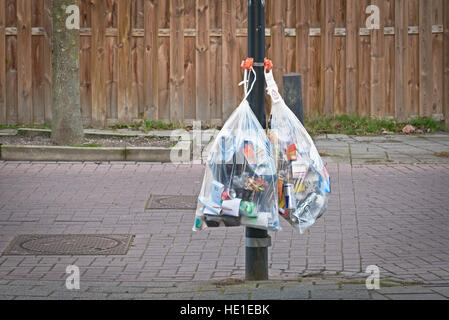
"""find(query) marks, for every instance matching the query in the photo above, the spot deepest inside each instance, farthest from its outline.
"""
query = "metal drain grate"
(70, 244)
(171, 202)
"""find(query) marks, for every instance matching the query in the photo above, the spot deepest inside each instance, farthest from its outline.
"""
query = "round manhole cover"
(172, 202)
(71, 244)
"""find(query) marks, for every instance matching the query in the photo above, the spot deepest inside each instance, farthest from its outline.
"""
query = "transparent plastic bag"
(239, 186)
(303, 181)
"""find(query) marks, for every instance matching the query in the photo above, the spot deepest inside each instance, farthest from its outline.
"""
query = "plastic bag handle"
(272, 88)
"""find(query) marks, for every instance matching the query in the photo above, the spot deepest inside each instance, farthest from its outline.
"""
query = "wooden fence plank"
(151, 80)
(352, 39)
(401, 57)
(378, 88)
(124, 107)
(327, 56)
(24, 60)
(98, 63)
(176, 60)
(190, 65)
(446, 63)
(425, 57)
(230, 58)
(277, 10)
(164, 62)
(437, 59)
(47, 59)
(203, 82)
(37, 64)
(302, 48)
(3, 113)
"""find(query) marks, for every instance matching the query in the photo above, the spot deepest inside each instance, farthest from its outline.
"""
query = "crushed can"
(289, 193)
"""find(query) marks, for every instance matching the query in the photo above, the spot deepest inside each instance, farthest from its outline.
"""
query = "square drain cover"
(171, 202)
(70, 244)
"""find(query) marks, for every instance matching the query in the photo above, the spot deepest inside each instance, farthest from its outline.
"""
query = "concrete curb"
(55, 153)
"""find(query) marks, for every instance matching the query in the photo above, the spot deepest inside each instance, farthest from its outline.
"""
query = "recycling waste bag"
(239, 186)
(303, 182)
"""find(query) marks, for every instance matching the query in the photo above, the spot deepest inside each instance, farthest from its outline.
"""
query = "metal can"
(289, 193)
(198, 224)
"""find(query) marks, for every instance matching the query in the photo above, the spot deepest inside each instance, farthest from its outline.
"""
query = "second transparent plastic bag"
(239, 186)
(303, 182)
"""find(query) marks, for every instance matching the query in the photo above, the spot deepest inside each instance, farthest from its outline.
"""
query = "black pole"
(257, 241)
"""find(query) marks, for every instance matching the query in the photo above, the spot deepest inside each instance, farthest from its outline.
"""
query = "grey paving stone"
(416, 296)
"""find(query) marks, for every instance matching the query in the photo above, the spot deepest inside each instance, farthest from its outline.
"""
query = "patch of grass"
(356, 125)
(86, 145)
(299, 279)
(443, 154)
(159, 125)
(9, 126)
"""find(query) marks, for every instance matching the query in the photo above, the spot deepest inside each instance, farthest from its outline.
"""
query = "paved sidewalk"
(391, 215)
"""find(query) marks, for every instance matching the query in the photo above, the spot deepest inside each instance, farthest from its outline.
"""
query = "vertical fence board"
(151, 64)
(124, 103)
(136, 93)
(164, 62)
(437, 59)
(190, 65)
(327, 56)
(277, 10)
(290, 55)
(230, 58)
(85, 65)
(413, 66)
(216, 92)
(364, 74)
(111, 63)
(37, 64)
(352, 39)
(47, 59)
(340, 60)
(446, 63)
(378, 88)
(425, 57)
(176, 60)
(390, 53)
(315, 74)
(98, 63)
(302, 48)
(3, 119)
(24, 60)
(401, 57)
(203, 61)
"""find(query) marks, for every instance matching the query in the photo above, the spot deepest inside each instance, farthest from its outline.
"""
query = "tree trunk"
(67, 126)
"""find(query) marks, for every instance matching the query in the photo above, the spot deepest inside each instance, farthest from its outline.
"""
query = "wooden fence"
(179, 60)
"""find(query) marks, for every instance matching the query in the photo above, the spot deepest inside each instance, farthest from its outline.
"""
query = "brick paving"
(394, 216)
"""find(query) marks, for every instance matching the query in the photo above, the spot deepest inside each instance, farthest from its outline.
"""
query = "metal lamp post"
(257, 241)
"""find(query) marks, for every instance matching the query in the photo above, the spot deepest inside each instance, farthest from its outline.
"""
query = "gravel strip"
(118, 142)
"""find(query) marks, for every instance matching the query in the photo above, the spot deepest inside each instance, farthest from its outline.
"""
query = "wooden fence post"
(24, 63)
